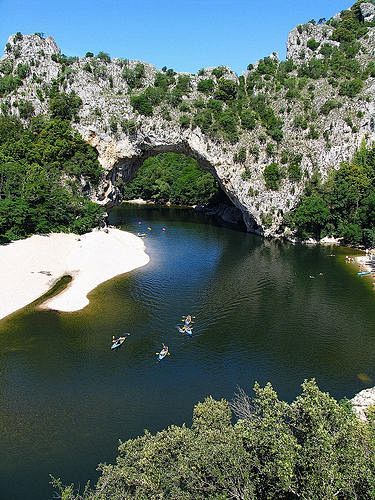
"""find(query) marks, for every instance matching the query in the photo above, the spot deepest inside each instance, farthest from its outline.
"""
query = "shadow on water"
(66, 399)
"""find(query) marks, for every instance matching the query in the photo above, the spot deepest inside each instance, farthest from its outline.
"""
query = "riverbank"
(31, 267)
(366, 263)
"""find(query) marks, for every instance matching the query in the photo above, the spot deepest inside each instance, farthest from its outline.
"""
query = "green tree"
(272, 176)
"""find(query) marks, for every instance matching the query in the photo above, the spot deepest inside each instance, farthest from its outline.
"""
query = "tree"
(311, 216)
(103, 56)
(206, 86)
(272, 176)
(311, 448)
(64, 106)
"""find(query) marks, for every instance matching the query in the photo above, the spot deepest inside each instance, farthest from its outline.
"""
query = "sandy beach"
(30, 267)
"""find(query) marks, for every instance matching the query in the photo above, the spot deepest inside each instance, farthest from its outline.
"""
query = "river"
(66, 399)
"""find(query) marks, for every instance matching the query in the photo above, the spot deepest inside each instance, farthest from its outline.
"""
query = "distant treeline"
(42, 169)
(313, 448)
(343, 206)
(174, 178)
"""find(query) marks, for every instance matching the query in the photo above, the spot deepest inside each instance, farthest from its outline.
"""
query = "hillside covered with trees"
(343, 206)
(174, 178)
(42, 168)
(313, 448)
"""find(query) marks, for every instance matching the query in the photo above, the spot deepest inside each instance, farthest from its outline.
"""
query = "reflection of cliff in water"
(224, 211)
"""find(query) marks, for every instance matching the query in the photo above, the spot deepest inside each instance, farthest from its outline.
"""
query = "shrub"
(351, 88)
(206, 86)
(294, 172)
(227, 90)
(8, 83)
(240, 156)
(134, 77)
(219, 71)
(312, 44)
(23, 70)
(227, 122)
(129, 126)
(144, 103)
(25, 109)
(184, 121)
(329, 105)
(272, 176)
(300, 121)
(248, 119)
(89, 54)
(64, 106)
(103, 56)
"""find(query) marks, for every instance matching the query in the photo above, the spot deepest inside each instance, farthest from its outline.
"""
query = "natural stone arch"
(125, 168)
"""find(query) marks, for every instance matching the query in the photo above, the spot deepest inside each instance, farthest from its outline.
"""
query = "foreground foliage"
(312, 448)
(174, 178)
(344, 206)
(42, 169)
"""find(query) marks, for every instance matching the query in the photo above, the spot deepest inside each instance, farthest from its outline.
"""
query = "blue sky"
(182, 34)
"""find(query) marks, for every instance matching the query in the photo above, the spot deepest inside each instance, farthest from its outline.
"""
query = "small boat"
(141, 235)
(118, 342)
(364, 273)
(188, 320)
(163, 352)
(186, 329)
(189, 331)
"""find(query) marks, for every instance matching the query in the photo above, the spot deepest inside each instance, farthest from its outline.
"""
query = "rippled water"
(66, 399)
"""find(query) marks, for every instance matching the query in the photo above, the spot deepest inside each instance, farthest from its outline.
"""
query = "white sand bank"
(30, 267)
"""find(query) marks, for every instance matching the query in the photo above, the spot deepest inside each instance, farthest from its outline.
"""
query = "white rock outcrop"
(362, 401)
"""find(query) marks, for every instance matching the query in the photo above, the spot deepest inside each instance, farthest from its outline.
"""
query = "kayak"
(141, 235)
(188, 320)
(364, 273)
(163, 353)
(185, 329)
(118, 342)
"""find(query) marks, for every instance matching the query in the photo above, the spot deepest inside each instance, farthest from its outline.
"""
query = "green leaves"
(174, 178)
(345, 205)
(41, 169)
(311, 448)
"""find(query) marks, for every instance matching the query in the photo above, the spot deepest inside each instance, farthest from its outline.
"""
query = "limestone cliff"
(316, 121)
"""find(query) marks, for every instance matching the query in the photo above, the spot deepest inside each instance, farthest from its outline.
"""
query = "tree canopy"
(344, 206)
(314, 447)
(174, 178)
(42, 169)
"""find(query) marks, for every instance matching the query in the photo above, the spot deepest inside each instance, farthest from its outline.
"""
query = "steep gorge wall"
(237, 164)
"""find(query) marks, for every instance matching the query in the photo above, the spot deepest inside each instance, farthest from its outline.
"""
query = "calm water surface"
(66, 399)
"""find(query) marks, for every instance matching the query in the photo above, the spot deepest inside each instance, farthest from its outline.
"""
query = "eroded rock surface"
(362, 401)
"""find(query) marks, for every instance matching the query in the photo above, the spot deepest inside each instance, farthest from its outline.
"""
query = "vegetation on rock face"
(174, 178)
(314, 447)
(343, 206)
(41, 168)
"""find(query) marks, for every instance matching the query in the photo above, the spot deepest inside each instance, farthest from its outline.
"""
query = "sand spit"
(30, 267)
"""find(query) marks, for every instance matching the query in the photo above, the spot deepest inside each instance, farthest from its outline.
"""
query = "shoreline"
(366, 263)
(30, 268)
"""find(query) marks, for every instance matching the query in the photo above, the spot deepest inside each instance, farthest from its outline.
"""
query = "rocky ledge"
(363, 401)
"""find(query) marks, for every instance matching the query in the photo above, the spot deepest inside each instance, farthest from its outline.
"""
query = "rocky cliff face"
(124, 138)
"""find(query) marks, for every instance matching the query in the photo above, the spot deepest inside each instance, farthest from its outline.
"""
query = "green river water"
(66, 399)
